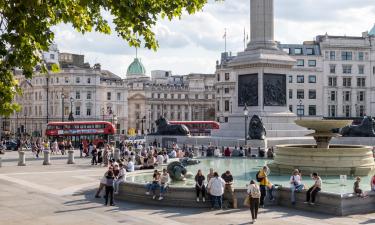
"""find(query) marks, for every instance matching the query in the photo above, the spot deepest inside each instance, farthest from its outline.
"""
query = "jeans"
(109, 194)
(216, 199)
(200, 190)
(263, 193)
(293, 189)
(117, 184)
(254, 206)
(152, 187)
(163, 189)
(312, 194)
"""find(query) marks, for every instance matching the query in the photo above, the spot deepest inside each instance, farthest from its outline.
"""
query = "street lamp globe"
(71, 99)
(246, 111)
(115, 120)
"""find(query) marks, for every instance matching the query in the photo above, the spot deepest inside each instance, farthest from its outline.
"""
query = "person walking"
(81, 149)
(94, 154)
(109, 188)
(311, 193)
(254, 194)
(216, 189)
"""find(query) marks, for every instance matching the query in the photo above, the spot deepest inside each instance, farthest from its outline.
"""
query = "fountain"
(323, 158)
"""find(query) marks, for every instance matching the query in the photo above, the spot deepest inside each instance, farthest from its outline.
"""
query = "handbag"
(246, 201)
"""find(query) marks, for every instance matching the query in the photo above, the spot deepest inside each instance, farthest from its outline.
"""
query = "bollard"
(21, 158)
(47, 159)
(116, 155)
(71, 157)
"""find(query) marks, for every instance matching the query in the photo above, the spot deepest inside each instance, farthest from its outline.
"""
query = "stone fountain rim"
(333, 145)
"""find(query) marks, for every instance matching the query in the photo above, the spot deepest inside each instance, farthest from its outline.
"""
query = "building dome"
(136, 68)
(372, 31)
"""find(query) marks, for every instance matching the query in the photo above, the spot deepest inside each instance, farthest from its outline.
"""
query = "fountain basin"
(324, 126)
(353, 160)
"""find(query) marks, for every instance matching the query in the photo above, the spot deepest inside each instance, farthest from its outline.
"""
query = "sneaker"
(153, 197)
(116, 193)
(161, 198)
(112, 204)
(254, 220)
(272, 199)
(197, 199)
(261, 206)
(203, 200)
(306, 202)
(312, 203)
(97, 196)
(147, 193)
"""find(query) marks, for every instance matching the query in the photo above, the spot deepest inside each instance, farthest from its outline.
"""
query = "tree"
(25, 30)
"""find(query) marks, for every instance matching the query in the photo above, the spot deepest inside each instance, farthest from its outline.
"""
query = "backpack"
(258, 178)
(255, 192)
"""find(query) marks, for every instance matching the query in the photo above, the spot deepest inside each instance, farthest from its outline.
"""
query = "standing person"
(164, 182)
(109, 188)
(311, 193)
(216, 189)
(94, 154)
(199, 185)
(120, 178)
(81, 149)
(372, 184)
(100, 156)
(228, 190)
(254, 194)
(103, 182)
(295, 185)
(262, 177)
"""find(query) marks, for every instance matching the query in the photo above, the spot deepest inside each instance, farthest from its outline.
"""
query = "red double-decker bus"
(97, 132)
(199, 128)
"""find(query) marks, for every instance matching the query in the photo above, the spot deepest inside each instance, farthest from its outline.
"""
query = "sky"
(194, 43)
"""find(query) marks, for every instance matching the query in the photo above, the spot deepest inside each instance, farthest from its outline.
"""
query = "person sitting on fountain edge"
(311, 193)
(264, 184)
(155, 184)
(164, 182)
(295, 185)
(372, 183)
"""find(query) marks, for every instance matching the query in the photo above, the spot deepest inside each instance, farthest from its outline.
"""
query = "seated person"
(160, 158)
(164, 182)
(261, 152)
(235, 152)
(270, 153)
(373, 183)
(356, 188)
(217, 152)
(227, 152)
(130, 166)
(242, 152)
(166, 157)
(155, 184)
(173, 154)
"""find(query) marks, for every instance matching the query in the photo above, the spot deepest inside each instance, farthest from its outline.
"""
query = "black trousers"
(263, 193)
(254, 206)
(94, 160)
(108, 194)
(311, 194)
(200, 190)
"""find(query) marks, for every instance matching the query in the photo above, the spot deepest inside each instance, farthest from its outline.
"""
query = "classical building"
(86, 93)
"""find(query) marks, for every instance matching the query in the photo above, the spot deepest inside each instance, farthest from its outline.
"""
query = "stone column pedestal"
(71, 157)
(116, 154)
(21, 158)
(47, 158)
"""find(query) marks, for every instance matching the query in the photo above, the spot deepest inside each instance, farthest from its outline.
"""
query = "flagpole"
(225, 38)
(244, 39)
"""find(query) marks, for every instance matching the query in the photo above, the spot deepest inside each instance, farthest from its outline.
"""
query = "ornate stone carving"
(165, 128)
(274, 90)
(365, 129)
(257, 130)
(176, 171)
(248, 90)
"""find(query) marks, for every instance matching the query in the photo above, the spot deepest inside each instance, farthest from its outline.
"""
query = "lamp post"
(103, 113)
(299, 111)
(71, 118)
(246, 114)
(149, 121)
(24, 128)
(143, 120)
(62, 106)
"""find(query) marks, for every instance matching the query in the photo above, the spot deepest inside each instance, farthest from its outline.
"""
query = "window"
(346, 69)
(312, 63)
(312, 94)
(78, 95)
(300, 79)
(290, 79)
(332, 55)
(300, 62)
(218, 77)
(361, 110)
(226, 76)
(346, 96)
(226, 90)
(57, 80)
(312, 79)
(310, 51)
(118, 96)
(78, 110)
(286, 50)
(179, 96)
(226, 119)
(298, 51)
(291, 108)
(108, 95)
(78, 80)
(88, 80)
(361, 69)
(300, 110)
(360, 56)
(332, 81)
(361, 96)
(333, 96)
(66, 80)
(88, 112)
(346, 110)
(52, 56)
(332, 69)
(361, 82)
(137, 106)
(165, 96)
(290, 93)
(332, 110)
(300, 94)
(158, 95)
(226, 105)
(196, 96)
(346, 55)
(312, 110)
(347, 82)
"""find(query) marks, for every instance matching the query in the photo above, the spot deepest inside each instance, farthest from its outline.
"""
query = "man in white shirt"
(216, 189)
(130, 167)
(160, 158)
(120, 178)
(173, 154)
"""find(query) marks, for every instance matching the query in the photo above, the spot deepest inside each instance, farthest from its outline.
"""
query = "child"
(356, 188)
(109, 188)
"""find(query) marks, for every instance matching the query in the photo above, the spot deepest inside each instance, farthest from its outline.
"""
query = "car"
(11, 145)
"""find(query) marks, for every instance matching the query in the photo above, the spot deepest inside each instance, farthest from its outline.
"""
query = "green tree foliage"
(25, 30)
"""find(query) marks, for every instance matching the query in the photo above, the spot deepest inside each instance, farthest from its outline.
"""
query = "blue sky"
(195, 42)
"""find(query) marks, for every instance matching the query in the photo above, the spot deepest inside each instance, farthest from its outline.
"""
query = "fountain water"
(355, 160)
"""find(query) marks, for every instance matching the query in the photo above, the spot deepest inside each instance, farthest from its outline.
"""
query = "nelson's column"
(260, 73)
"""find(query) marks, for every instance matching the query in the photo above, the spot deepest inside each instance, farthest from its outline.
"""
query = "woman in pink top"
(373, 183)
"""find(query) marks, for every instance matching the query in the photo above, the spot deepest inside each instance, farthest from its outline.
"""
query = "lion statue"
(176, 171)
(365, 129)
(165, 128)
(257, 130)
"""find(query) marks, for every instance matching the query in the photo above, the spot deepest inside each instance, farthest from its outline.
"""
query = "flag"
(28, 81)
